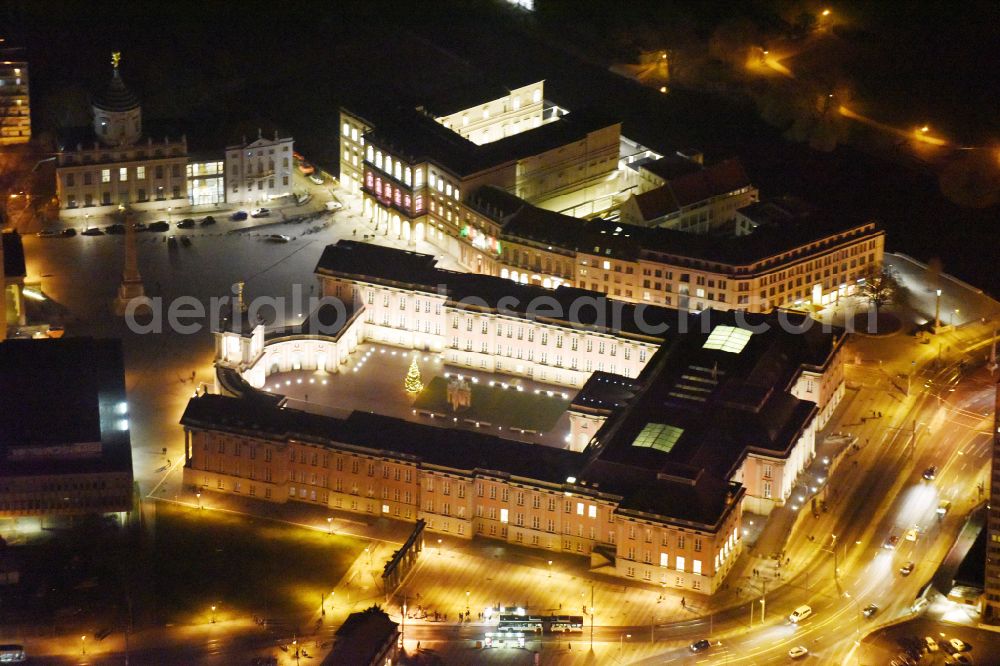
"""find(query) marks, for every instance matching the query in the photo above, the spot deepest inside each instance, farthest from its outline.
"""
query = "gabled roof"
(685, 190)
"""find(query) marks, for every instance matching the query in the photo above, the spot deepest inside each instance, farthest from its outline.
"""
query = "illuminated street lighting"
(83, 644)
(329, 525)
(213, 614)
(621, 644)
(550, 568)
(198, 495)
(826, 12)
(925, 129)
(937, 311)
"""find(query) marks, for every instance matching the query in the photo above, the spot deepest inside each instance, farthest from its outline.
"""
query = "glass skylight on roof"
(659, 436)
(728, 339)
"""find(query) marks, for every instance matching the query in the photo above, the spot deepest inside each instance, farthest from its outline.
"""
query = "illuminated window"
(123, 174)
(536, 96)
(696, 566)
(679, 565)
(592, 511)
(516, 103)
(659, 436)
(663, 559)
(728, 339)
(347, 129)
(105, 175)
(579, 508)
(503, 515)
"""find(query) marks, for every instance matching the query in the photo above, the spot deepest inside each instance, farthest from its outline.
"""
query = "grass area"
(498, 406)
(242, 565)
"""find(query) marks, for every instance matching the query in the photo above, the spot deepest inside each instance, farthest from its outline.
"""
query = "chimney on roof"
(259, 133)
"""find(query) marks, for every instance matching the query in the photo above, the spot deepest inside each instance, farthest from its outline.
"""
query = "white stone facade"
(259, 171)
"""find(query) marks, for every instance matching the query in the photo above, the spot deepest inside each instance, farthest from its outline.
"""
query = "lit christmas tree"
(412, 382)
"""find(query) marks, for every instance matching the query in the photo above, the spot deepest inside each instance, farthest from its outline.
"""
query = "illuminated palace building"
(681, 421)
(499, 185)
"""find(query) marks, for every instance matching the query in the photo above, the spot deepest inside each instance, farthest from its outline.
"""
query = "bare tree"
(881, 286)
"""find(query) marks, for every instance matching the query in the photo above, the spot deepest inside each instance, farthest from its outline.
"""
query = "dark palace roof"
(691, 188)
(353, 259)
(420, 138)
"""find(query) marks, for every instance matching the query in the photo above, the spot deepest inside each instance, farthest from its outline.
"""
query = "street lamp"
(329, 525)
(198, 495)
(550, 568)
(83, 644)
(621, 644)
(439, 546)
(213, 614)
(937, 312)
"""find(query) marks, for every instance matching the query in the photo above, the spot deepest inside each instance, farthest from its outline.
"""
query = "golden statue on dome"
(116, 57)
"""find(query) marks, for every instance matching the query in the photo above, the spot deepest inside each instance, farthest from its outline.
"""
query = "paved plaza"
(372, 380)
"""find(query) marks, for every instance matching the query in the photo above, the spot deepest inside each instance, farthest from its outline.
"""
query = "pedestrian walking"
(418, 646)
(683, 602)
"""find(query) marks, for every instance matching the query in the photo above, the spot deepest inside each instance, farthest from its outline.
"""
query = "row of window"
(138, 173)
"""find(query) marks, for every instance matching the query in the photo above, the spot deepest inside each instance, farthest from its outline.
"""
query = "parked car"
(334, 205)
(139, 226)
(238, 216)
(316, 178)
(799, 614)
(798, 652)
(700, 646)
(891, 542)
(869, 611)
(943, 507)
(959, 644)
(306, 168)
(92, 231)
(186, 223)
(297, 155)
(260, 212)
(930, 473)
(186, 241)
(172, 242)
(304, 198)
(208, 220)
(906, 569)
(961, 659)
(115, 229)
(911, 534)
(50, 233)
(278, 238)
(69, 233)
(160, 225)
(931, 644)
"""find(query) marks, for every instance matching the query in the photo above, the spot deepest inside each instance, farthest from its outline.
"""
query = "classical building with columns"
(681, 422)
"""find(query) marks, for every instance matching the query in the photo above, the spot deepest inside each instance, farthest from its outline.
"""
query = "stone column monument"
(131, 286)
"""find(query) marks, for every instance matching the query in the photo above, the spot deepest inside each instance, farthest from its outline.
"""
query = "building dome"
(116, 97)
(117, 114)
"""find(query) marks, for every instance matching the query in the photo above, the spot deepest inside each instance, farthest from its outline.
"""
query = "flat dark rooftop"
(13, 255)
(63, 392)
(419, 138)
(712, 405)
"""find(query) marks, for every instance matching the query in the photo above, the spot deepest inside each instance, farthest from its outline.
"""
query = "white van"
(799, 614)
